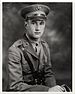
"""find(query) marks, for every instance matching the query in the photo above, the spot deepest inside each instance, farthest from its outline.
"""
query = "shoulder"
(44, 43)
(18, 43)
(15, 44)
(46, 50)
(15, 50)
(45, 47)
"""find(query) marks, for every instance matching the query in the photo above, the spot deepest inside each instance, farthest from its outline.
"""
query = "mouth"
(37, 33)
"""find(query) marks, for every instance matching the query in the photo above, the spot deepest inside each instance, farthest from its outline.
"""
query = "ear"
(25, 23)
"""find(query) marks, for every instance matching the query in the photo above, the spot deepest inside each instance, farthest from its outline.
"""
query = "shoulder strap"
(34, 73)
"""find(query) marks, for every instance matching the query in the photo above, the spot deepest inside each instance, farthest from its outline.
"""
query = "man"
(29, 58)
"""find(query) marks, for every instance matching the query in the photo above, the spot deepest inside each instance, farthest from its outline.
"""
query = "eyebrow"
(40, 14)
(37, 20)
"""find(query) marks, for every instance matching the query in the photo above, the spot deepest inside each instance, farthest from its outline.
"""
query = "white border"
(37, 1)
(73, 47)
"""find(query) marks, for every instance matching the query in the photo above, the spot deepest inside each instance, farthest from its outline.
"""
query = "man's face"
(35, 28)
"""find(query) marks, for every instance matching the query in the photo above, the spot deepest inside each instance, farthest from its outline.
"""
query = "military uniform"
(20, 74)
(28, 62)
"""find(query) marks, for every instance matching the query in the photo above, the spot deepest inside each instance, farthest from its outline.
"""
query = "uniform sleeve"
(16, 82)
(49, 75)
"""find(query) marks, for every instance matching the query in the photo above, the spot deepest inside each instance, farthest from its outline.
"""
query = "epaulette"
(17, 43)
(44, 43)
(20, 42)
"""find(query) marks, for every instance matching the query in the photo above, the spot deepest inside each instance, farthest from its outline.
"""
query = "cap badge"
(38, 8)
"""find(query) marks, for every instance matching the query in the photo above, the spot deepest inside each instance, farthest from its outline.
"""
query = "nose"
(37, 27)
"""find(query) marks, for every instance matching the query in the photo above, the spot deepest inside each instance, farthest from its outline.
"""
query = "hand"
(67, 89)
(56, 88)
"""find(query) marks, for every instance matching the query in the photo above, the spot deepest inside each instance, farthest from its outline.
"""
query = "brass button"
(36, 81)
(23, 49)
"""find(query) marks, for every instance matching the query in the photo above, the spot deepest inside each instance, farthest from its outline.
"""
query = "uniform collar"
(28, 46)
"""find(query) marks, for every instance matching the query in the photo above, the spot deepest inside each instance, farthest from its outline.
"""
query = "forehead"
(36, 13)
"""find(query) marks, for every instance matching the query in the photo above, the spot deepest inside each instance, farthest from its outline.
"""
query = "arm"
(16, 82)
(49, 76)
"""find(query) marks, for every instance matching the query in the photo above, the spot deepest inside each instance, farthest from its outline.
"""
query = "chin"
(37, 36)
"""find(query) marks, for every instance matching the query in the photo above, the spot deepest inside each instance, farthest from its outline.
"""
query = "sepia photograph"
(37, 47)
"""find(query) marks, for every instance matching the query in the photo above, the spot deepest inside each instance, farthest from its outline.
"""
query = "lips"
(37, 33)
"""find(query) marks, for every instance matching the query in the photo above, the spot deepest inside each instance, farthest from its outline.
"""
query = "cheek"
(29, 30)
(42, 28)
(32, 28)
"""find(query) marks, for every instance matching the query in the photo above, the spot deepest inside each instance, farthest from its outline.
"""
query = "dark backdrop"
(58, 34)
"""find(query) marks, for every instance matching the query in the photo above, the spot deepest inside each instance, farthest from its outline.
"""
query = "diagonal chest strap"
(37, 77)
(34, 73)
(27, 57)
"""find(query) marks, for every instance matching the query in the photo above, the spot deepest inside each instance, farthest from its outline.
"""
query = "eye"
(42, 22)
(33, 22)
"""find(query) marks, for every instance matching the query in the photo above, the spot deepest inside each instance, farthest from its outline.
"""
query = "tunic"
(21, 59)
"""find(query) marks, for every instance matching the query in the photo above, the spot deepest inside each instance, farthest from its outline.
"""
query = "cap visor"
(37, 18)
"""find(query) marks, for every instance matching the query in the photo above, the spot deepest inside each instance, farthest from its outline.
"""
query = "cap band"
(36, 18)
